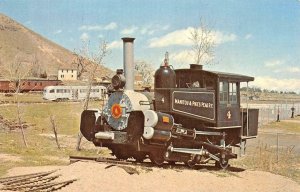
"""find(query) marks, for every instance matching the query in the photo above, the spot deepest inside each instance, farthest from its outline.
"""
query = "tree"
(17, 71)
(36, 70)
(91, 64)
(145, 70)
(80, 64)
(203, 47)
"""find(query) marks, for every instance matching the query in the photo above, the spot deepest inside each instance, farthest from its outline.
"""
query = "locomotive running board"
(208, 133)
(229, 127)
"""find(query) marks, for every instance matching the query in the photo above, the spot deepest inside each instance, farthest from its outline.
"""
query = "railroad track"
(35, 182)
(74, 159)
(148, 164)
(114, 161)
(122, 163)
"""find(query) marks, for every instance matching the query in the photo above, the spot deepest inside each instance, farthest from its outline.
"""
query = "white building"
(67, 74)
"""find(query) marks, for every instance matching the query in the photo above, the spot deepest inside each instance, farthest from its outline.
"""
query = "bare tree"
(92, 62)
(80, 64)
(95, 60)
(145, 70)
(37, 68)
(203, 48)
(17, 71)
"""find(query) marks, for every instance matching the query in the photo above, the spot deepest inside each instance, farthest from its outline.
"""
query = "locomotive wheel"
(157, 158)
(171, 162)
(190, 163)
(223, 163)
(139, 157)
(120, 154)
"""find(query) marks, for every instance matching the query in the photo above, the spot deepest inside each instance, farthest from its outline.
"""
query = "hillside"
(18, 43)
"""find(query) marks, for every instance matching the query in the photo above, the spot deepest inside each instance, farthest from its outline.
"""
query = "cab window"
(228, 93)
(51, 91)
(232, 93)
(223, 88)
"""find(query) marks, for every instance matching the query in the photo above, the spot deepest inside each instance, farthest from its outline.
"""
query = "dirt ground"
(101, 177)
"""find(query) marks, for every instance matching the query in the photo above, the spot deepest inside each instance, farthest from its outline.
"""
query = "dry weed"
(282, 160)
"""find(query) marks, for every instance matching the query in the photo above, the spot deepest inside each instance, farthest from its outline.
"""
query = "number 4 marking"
(228, 115)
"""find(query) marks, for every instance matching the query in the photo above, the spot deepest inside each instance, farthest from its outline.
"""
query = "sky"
(259, 38)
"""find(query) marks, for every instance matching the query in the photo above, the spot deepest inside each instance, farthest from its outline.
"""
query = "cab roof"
(219, 75)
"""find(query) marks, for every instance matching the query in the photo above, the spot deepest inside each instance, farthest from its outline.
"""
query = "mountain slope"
(18, 43)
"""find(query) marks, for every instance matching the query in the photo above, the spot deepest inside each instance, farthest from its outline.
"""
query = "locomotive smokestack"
(128, 62)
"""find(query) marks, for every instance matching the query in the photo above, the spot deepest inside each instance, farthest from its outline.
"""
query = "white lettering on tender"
(199, 104)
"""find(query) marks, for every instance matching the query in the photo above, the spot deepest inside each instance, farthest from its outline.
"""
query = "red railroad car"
(27, 85)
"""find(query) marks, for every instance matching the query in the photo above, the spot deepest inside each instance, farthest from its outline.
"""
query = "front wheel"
(157, 158)
(139, 157)
(121, 154)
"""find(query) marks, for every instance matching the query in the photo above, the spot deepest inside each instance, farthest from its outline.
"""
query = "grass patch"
(24, 97)
(67, 115)
(291, 125)
(265, 158)
(42, 150)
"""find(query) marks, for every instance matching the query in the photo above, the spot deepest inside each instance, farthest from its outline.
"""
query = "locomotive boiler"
(193, 116)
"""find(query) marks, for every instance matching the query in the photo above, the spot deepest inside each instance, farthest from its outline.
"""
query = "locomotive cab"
(207, 100)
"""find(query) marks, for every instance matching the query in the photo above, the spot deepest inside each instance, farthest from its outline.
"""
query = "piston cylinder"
(158, 135)
(158, 125)
(158, 120)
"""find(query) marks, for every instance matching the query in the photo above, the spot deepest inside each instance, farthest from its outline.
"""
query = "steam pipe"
(128, 62)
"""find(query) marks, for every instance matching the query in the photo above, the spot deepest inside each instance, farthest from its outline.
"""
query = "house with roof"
(67, 74)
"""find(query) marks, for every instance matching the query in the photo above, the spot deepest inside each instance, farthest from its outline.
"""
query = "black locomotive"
(194, 116)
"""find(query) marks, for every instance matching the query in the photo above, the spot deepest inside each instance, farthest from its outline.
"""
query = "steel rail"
(20, 178)
(41, 182)
(127, 162)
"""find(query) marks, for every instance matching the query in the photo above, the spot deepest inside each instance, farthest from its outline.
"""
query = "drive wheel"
(171, 163)
(223, 163)
(190, 163)
(157, 158)
(139, 157)
(123, 155)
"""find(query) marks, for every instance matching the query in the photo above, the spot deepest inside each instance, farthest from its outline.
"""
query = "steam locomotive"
(194, 116)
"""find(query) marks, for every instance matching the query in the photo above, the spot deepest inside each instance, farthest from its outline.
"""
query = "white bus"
(56, 93)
